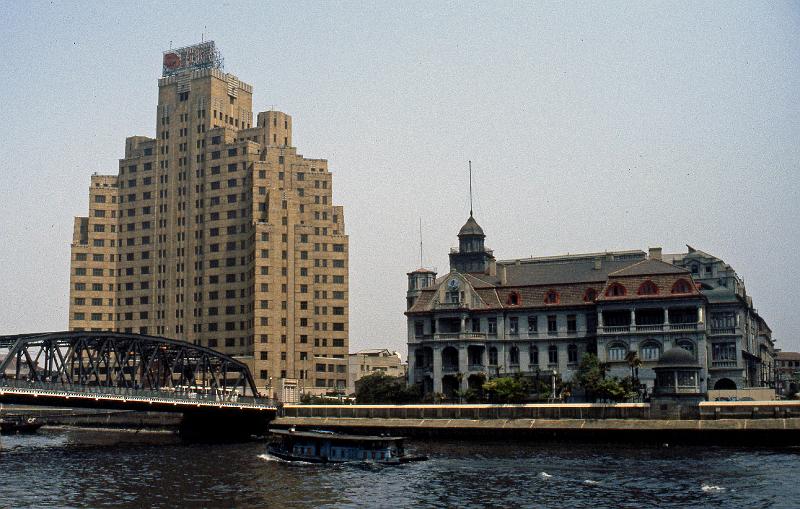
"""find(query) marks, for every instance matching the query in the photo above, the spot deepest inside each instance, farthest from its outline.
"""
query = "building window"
(533, 356)
(615, 290)
(650, 352)
(572, 324)
(648, 288)
(533, 325)
(572, 354)
(493, 356)
(590, 295)
(723, 352)
(681, 286)
(513, 325)
(513, 299)
(492, 325)
(552, 355)
(551, 297)
(513, 356)
(552, 324)
(617, 352)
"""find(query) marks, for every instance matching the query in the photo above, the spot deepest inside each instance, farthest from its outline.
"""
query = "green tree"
(379, 388)
(590, 375)
(506, 390)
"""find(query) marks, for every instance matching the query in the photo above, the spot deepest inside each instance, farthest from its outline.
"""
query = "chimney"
(503, 278)
(598, 263)
(655, 253)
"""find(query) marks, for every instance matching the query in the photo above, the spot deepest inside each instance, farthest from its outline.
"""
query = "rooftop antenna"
(420, 242)
(470, 188)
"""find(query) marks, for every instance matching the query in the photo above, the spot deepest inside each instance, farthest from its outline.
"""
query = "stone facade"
(787, 372)
(218, 232)
(538, 316)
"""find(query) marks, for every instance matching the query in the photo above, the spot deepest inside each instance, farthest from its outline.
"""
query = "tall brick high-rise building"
(219, 233)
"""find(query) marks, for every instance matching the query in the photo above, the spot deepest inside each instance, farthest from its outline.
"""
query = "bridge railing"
(137, 394)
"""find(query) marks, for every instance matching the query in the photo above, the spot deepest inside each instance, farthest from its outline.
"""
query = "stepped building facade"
(536, 317)
(218, 232)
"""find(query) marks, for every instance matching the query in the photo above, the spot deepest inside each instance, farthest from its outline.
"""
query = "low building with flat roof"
(371, 360)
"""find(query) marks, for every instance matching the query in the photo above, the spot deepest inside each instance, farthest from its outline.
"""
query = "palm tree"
(632, 358)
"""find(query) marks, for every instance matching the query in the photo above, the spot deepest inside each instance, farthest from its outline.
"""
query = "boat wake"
(269, 457)
(544, 475)
(710, 488)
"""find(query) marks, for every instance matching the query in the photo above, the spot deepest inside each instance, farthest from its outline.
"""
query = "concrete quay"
(725, 423)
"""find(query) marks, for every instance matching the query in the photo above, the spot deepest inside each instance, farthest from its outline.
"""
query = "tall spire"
(470, 188)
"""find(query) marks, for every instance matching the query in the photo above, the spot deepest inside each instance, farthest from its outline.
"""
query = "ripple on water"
(68, 468)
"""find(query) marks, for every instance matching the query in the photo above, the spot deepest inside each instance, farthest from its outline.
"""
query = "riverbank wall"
(740, 423)
(80, 417)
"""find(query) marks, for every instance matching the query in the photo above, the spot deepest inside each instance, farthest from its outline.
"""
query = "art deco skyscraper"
(219, 233)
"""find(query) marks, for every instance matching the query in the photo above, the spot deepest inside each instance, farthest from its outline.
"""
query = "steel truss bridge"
(112, 370)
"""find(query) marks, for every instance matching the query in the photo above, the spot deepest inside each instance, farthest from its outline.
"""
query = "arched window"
(533, 356)
(513, 299)
(681, 286)
(687, 345)
(648, 288)
(551, 297)
(615, 290)
(590, 295)
(493, 356)
(513, 356)
(572, 354)
(616, 352)
(552, 354)
(650, 351)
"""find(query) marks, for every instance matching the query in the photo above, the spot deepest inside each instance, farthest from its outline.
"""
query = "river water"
(91, 468)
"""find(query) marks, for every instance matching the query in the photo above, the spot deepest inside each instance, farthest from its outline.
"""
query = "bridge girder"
(127, 361)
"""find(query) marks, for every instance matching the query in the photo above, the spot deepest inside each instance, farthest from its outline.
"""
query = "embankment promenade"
(741, 423)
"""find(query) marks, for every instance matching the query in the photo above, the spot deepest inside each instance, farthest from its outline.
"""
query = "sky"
(591, 126)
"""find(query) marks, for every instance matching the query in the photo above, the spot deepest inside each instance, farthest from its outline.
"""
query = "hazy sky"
(591, 127)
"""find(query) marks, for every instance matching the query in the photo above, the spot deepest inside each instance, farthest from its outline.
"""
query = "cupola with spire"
(472, 255)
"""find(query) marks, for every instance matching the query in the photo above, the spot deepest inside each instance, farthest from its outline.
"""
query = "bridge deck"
(37, 393)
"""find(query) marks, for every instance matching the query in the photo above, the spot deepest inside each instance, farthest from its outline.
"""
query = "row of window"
(648, 287)
(648, 351)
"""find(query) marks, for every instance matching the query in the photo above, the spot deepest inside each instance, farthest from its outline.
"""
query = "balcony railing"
(724, 364)
(723, 330)
(476, 367)
(449, 368)
(660, 327)
(650, 328)
(459, 335)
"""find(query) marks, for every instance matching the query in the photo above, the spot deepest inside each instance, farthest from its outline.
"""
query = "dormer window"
(616, 290)
(513, 299)
(453, 295)
(551, 297)
(681, 286)
(590, 295)
(648, 288)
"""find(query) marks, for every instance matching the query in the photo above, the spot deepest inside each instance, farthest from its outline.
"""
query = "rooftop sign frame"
(204, 55)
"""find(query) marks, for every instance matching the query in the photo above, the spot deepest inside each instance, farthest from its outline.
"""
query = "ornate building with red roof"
(536, 317)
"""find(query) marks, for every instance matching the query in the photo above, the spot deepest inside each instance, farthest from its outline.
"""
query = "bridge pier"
(223, 426)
